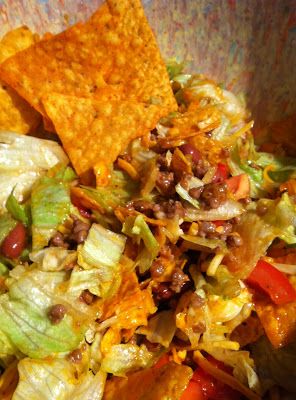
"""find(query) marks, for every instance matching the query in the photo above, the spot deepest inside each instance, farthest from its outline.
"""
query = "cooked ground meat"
(234, 240)
(157, 268)
(165, 183)
(162, 162)
(206, 227)
(143, 206)
(178, 280)
(79, 230)
(162, 292)
(56, 313)
(214, 194)
(58, 240)
(200, 168)
(196, 192)
(152, 346)
(197, 301)
(199, 327)
(75, 356)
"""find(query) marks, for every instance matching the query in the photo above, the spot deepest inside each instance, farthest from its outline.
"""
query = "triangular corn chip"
(113, 55)
(95, 132)
(15, 113)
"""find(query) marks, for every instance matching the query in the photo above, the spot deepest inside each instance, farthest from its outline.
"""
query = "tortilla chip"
(166, 382)
(15, 113)
(95, 132)
(114, 55)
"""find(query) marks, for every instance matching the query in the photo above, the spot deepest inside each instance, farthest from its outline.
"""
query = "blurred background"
(249, 45)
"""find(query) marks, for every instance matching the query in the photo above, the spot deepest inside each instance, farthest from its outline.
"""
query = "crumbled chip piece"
(94, 132)
(15, 113)
(113, 55)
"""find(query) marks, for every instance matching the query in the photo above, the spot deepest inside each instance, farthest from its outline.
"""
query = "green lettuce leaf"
(246, 159)
(7, 223)
(90, 279)
(124, 358)
(256, 236)
(229, 209)
(50, 205)
(117, 193)
(174, 68)
(101, 253)
(243, 159)
(23, 315)
(138, 229)
(23, 160)
(275, 365)
(53, 258)
(19, 211)
(57, 379)
(281, 216)
(279, 221)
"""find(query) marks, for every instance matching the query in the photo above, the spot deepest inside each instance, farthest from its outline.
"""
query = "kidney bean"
(191, 150)
(14, 243)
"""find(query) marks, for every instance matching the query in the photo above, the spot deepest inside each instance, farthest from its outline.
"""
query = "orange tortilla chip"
(114, 55)
(95, 132)
(15, 113)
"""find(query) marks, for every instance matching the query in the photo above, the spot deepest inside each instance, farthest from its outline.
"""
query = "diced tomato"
(162, 361)
(84, 212)
(273, 282)
(193, 392)
(239, 186)
(14, 243)
(218, 223)
(206, 387)
(221, 174)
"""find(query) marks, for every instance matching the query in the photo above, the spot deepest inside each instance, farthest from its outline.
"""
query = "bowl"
(248, 45)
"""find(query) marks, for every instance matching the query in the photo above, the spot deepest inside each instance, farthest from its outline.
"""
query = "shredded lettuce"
(184, 194)
(246, 159)
(256, 236)
(23, 159)
(281, 216)
(117, 193)
(200, 243)
(53, 258)
(137, 228)
(124, 358)
(19, 211)
(89, 279)
(101, 253)
(174, 68)
(229, 209)
(7, 223)
(57, 379)
(24, 320)
(50, 205)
